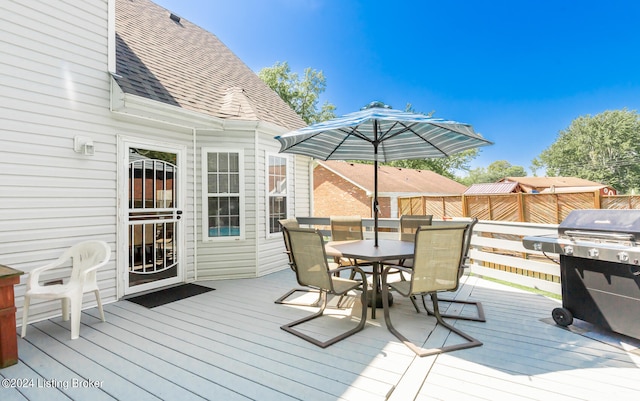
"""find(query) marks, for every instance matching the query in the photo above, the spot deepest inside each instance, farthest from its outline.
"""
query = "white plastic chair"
(87, 257)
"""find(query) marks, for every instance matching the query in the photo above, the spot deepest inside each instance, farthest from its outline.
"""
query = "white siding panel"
(270, 247)
(303, 185)
(54, 86)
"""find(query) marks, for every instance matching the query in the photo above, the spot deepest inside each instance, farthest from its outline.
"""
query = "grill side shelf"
(542, 243)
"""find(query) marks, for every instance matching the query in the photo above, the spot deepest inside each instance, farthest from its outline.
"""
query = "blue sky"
(518, 71)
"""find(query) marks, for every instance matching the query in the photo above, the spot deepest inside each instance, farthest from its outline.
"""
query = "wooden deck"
(227, 345)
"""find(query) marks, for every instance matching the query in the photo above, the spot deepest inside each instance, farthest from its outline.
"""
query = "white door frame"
(124, 144)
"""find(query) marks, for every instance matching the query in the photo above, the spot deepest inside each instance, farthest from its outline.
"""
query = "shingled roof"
(394, 179)
(542, 184)
(173, 61)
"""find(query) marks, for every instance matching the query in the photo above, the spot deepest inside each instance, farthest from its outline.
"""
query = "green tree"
(495, 172)
(445, 166)
(302, 94)
(604, 148)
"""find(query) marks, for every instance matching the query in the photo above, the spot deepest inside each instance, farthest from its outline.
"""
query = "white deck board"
(227, 345)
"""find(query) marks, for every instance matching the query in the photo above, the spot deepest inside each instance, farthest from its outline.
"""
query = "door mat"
(168, 295)
(597, 333)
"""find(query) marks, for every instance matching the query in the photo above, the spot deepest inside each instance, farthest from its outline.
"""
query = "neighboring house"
(125, 123)
(492, 188)
(343, 188)
(557, 184)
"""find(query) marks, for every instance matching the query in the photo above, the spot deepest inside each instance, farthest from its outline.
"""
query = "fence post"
(597, 200)
(520, 207)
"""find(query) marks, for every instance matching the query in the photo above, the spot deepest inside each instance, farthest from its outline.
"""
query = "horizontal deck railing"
(496, 250)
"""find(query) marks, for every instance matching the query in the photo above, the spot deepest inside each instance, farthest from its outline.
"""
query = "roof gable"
(492, 188)
(173, 61)
(394, 179)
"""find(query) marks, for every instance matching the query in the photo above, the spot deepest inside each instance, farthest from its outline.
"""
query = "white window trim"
(268, 155)
(205, 191)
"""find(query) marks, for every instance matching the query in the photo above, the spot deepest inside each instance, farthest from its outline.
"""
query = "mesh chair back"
(309, 258)
(437, 258)
(409, 224)
(467, 240)
(346, 228)
(289, 223)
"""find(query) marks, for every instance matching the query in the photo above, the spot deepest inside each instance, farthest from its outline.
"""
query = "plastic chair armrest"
(34, 275)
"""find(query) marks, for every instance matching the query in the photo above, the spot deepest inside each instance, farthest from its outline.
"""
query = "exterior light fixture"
(84, 145)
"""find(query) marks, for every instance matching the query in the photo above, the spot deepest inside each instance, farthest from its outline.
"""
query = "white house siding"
(228, 258)
(54, 85)
(302, 198)
(270, 246)
(257, 253)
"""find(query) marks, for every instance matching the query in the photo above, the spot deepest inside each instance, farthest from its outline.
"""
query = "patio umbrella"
(380, 134)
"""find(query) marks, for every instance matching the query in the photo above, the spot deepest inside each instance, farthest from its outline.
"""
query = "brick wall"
(335, 196)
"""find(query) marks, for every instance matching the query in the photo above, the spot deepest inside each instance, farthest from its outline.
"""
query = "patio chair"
(347, 228)
(465, 264)
(86, 258)
(437, 261)
(312, 270)
(293, 223)
(409, 224)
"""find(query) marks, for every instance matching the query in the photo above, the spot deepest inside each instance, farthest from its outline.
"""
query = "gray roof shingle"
(181, 64)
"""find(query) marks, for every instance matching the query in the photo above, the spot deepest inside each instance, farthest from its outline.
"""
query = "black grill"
(600, 268)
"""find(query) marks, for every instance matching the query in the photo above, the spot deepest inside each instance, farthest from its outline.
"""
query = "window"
(277, 191)
(224, 200)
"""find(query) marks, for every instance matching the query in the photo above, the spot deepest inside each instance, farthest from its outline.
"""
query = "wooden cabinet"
(8, 339)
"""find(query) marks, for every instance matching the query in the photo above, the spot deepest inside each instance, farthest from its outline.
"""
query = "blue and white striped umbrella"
(381, 134)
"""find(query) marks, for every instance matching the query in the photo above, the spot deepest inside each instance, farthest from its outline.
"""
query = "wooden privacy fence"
(546, 208)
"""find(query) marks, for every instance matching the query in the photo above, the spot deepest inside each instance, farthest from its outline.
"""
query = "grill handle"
(600, 235)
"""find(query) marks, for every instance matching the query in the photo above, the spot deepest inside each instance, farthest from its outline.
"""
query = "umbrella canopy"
(378, 133)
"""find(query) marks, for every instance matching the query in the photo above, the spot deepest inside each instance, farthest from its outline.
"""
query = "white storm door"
(153, 219)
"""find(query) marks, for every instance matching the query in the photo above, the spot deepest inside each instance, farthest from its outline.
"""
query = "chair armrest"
(354, 268)
(396, 267)
(34, 275)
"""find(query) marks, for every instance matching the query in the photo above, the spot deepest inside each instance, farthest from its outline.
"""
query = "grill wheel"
(562, 316)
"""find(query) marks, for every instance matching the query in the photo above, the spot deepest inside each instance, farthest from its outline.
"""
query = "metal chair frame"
(423, 260)
(312, 270)
(293, 223)
(465, 260)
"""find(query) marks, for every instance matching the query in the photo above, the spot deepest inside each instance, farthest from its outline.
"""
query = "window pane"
(212, 162)
(223, 186)
(234, 162)
(224, 162)
(278, 209)
(234, 183)
(277, 181)
(213, 183)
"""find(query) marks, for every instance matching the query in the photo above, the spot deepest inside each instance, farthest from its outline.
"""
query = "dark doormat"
(168, 295)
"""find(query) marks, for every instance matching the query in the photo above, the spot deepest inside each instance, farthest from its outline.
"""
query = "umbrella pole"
(375, 183)
(375, 201)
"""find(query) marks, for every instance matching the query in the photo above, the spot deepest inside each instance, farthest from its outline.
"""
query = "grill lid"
(624, 224)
